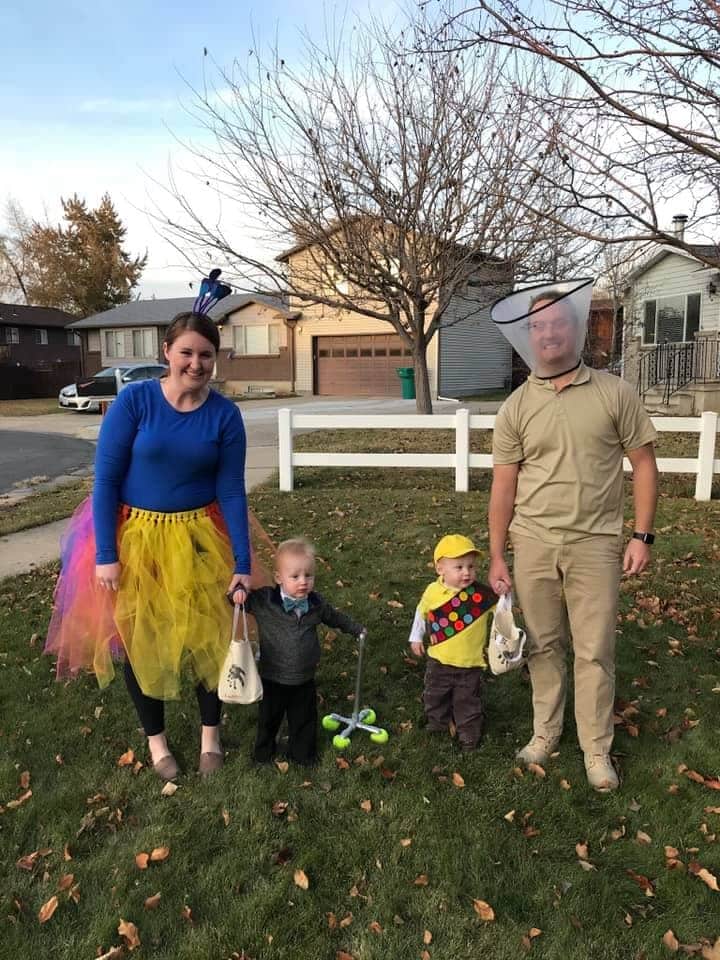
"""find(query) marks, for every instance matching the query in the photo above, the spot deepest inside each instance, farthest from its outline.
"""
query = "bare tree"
(395, 180)
(13, 253)
(639, 92)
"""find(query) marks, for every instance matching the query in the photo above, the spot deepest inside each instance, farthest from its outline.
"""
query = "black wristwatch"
(648, 538)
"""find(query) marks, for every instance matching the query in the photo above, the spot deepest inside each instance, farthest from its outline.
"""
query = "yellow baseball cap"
(454, 545)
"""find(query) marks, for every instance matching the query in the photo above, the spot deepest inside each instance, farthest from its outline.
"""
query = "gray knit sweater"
(289, 645)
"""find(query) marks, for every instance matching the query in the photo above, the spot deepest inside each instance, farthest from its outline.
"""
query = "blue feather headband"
(211, 291)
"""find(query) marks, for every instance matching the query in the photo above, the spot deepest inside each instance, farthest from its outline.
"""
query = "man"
(558, 449)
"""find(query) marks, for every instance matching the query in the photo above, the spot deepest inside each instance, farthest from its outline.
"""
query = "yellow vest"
(457, 622)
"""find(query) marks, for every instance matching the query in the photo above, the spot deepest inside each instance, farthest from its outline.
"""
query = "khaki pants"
(571, 592)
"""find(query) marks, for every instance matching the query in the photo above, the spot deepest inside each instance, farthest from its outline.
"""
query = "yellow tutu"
(171, 611)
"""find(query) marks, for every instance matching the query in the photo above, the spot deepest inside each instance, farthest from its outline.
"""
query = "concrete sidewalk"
(22, 552)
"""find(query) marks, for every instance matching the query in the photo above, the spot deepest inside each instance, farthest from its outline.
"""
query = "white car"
(129, 372)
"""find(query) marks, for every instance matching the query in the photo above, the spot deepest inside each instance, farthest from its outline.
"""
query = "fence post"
(285, 448)
(462, 450)
(706, 455)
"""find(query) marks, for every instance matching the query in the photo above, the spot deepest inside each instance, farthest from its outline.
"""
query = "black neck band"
(554, 376)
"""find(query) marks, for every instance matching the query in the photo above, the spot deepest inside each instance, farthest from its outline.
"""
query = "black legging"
(152, 712)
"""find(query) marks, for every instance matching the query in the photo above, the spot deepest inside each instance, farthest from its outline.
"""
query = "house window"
(73, 338)
(12, 335)
(671, 319)
(257, 339)
(114, 343)
(41, 337)
(143, 344)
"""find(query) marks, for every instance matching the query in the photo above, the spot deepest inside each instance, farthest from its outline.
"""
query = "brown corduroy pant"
(454, 694)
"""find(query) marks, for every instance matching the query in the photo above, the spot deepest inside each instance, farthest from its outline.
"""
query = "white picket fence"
(704, 466)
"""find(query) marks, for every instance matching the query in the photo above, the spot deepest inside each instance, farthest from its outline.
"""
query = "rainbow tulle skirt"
(170, 614)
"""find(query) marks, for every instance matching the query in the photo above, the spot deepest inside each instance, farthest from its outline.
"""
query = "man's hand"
(636, 559)
(499, 575)
(418, 649)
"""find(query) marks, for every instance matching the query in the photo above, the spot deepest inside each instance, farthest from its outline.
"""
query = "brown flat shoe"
(210, 763)
(166, 767)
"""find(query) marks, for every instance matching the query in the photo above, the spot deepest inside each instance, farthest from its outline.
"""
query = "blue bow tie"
(291, 604)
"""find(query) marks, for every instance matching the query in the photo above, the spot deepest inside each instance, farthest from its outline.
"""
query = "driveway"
(25, 455)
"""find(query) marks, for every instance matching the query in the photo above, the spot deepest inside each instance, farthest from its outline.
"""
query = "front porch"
(680, 379)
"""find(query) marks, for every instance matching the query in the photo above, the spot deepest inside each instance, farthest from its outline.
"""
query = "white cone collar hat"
(546, 324)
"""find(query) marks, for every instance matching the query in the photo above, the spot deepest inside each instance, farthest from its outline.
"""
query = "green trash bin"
(407, 382)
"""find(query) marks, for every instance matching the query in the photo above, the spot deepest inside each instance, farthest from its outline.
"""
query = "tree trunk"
(423, 399)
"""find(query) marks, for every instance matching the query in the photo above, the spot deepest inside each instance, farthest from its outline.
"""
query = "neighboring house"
(343, 353)
(256, 338)
(38, 353)
(268, 346)
(672, 337)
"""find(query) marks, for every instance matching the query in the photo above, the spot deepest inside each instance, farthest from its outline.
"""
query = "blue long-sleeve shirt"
(151, 456)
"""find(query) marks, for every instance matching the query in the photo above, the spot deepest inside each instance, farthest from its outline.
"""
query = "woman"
(145, 570)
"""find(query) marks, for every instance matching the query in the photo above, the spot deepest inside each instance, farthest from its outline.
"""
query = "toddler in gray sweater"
(287, 617)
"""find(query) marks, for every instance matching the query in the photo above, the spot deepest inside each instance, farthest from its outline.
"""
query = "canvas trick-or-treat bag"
(506, 646)
(239, 678)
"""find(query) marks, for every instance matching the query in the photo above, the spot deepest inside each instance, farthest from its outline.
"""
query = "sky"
(94, 98)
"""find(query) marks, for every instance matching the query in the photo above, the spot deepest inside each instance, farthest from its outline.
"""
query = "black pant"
(454, 693)
(300, 704)
(152, 712)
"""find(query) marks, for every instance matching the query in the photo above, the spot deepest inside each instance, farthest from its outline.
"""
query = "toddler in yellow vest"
(454, 615)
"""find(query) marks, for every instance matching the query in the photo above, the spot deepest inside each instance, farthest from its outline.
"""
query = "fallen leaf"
(425, 955)
(671, 941)
(24, 780)
(534, 932)
(14, 804)
(186, 914)
(66, 881)
(152, 902)
(581, 849)
(301, 879)
(279, 808)
(282, 765)
(142, 860)
(129, 932)
(427, 938)
(375, 927)
(47, 909)
(346, 921)
(126, 759)
(396, 604)
(564, 784)
(711, 809)
(421, 880)
(484, 910)
(713, 952)
(586, 865)
(642, 882)
(66, 853)
(225, 814)
(405, 842)
(169, 789)
(537, 770)
(672, 853)
(159, 854)
(282, 856)
(366, 805)
(643, 838)
(114, 953)
(341, 763)
(509, 816)
(342, 955)
(331, 920)
(708, 878)
(458, 780)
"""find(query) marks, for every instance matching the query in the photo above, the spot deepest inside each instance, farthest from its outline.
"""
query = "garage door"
(360, 366)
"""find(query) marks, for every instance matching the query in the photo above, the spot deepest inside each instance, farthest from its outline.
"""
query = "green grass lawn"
(42, 507)
(29, 408)
(397, 843)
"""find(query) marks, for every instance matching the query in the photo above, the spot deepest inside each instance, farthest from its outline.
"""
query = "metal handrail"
(676, 365)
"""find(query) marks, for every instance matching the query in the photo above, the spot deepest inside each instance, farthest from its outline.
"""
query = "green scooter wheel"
(369, 716)
(382, 736)
(340, 743)
(330, 723)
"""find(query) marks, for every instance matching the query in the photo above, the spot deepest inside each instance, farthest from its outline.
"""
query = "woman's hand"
(239, 587)
(107, 575)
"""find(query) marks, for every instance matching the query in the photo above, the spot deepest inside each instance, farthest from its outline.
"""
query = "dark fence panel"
(24, 383)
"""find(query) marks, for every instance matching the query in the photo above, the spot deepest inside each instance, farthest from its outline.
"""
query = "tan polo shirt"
(570, 447)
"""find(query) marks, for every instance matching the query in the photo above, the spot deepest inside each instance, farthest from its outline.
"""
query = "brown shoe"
(166, 767)
(210, 763)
